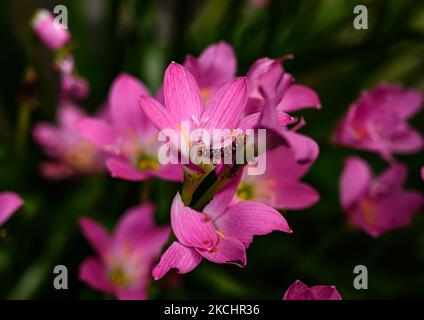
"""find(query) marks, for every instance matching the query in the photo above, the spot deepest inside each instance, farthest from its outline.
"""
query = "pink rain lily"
(279, 186)
(215, 66)
(377, 121)
(269, 81)
(127, 136)
(300, 291)
(51, 33)
(183, 105)
(125, 258)
(71, 153)
(9, 203)
(377, 205)
(220, 234)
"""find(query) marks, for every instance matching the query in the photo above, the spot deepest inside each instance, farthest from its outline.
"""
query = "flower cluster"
(220, 206)
(377, 122)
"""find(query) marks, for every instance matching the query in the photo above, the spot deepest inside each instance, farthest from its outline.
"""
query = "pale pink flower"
(51, 33)
(377, 205)
(377, 121)
(300, 291)
(71, 153)
(124, 259)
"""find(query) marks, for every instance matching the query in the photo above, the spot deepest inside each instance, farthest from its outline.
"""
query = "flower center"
(368, 211)
(147, 162)
(205, 94)
(245, 191)
(119, 277)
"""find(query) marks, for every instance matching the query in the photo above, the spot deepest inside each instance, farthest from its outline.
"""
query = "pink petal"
(48, 137)
(9, 203)
(218, 63)
(170, 172)
(252, 120)
(93, 273)
(134, 222)
(192, 228)
(391, 179)
(355, 181)
(177, 256)
(137, 293)
(294, 195)
(227, 250)
(390, 212)
(159, 116)
(137, 229)
(409, 142)
(98, 132)
(325, 293)
(304, 148)
(299, 97)
(95, 234)
(226, 106)
(69, 115)
(298, 291)
(246, 219)
(182, 95)
(124, 97)
(120, 168)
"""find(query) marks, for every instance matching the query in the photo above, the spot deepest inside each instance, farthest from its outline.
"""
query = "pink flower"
(71, 153)
(128, 136)
(124, 259)
(300, 291)
(51, 33)
(377, 205)
(377, 121)
(269, 81)
(215, 66)
(221, 234)
(73, 86)
(279, 186)
(183, 104)
(9, 203)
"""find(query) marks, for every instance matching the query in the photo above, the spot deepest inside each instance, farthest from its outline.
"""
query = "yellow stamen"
(219, 233)
(185, 135)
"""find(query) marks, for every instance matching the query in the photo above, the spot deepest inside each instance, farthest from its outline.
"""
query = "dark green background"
(142, 37)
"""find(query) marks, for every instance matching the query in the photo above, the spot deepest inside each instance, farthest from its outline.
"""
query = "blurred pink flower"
(377, 205)
(124, 259)
(269, 82)
(127, 136)
(377, 121)
(9, 203)
(300, 291)
(221, 234)
(52, 35)
(73, 86)
(71, 153)
(279, 186)
(214, 67)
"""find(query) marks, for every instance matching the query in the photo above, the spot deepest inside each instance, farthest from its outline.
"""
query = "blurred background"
(142, 37)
